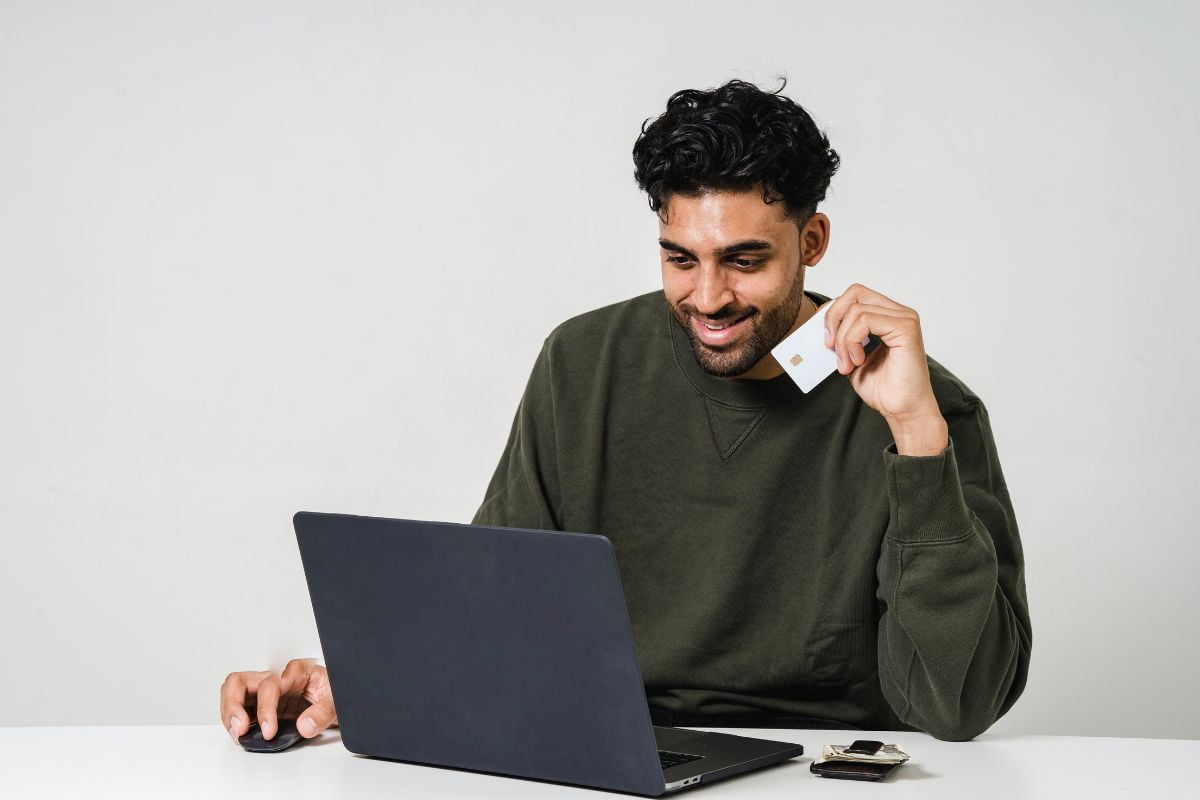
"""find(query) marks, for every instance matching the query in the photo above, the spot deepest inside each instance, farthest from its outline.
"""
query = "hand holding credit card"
(888, 369)
(803, 354)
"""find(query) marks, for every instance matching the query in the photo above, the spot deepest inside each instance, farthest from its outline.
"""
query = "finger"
(863, 319)
(838, 309)
(841, 342)
(233, 709)
(854, 331)
(856, 293)
(235, 691)
(867, 295)
(294, 679)
(268, 706)
(316, 718)
(833, 317)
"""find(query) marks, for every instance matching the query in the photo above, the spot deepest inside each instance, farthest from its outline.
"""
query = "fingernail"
(235, 724)
(307, 726)
(840, 364)
(828, 338)
(233, 734)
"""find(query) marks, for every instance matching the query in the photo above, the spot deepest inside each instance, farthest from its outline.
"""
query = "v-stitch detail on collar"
(730, 427)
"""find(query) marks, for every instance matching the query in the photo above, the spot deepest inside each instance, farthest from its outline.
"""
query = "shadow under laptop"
(798, 766)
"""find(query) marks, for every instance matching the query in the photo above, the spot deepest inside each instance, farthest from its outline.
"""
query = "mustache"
(723, 314)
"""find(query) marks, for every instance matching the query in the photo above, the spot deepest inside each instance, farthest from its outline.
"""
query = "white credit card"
(803, 354)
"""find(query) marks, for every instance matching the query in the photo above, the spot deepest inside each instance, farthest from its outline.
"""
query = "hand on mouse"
(301, 692)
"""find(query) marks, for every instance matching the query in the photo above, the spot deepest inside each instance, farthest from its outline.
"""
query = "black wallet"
(852, 770)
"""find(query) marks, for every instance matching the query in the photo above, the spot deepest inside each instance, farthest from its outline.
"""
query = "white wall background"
(249, 253)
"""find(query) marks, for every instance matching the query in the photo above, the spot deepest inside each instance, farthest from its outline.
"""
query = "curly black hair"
(735, 137)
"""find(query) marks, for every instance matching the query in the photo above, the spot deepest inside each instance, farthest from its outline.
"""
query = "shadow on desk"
(800, 764)
(326, 738)
(908, 772)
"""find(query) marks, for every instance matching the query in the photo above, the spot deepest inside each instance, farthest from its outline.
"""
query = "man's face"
(733, 275)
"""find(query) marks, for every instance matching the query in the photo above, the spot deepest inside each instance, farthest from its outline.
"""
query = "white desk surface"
(201, 761)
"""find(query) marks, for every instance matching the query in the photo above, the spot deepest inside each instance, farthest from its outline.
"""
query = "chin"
(721, 368)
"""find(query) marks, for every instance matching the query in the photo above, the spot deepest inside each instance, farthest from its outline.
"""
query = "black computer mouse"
(253, 742)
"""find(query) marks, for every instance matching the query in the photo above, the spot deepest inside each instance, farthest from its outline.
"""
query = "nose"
(712, 291)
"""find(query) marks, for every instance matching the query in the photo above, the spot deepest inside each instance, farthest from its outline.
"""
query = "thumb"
(316, 718)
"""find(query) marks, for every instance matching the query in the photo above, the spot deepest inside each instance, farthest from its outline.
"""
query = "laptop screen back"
(491, 649)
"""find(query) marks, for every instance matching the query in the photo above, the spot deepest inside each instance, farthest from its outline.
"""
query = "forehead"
(716, 217)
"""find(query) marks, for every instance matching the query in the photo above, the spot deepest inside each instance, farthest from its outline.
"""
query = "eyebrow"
(737, 247)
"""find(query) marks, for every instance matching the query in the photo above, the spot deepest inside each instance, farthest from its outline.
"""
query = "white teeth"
(720, 327)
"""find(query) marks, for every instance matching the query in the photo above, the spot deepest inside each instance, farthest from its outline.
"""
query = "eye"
(677, 259)
(747, 263)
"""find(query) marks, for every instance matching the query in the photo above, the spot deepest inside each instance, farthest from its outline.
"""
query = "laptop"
(497, 650)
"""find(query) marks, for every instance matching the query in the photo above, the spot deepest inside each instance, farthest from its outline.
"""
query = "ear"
(814, 239)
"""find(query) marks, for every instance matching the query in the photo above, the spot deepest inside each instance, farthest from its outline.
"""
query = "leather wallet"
(851, 770)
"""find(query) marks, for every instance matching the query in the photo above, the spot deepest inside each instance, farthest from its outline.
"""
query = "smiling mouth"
(721, 334)
(719, 327)
(722, 326)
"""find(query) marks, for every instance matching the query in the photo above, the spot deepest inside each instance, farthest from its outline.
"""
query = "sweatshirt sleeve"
(954, 635)
(524, 490)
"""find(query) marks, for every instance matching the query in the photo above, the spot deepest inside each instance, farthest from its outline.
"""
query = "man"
(846, 557)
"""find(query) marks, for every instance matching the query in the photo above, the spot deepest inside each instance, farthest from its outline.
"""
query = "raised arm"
(954, 636)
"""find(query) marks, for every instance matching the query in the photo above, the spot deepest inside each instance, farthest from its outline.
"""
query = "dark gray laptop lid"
(489, 649)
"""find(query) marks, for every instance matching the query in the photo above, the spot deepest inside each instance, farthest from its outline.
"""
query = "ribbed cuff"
(925, 497)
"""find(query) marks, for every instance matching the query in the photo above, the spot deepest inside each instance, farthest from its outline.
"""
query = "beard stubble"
(767, 329)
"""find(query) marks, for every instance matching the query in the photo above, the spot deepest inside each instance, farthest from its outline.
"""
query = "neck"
(807, 309)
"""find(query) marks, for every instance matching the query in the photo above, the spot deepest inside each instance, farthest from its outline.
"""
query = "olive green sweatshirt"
(777, 554)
